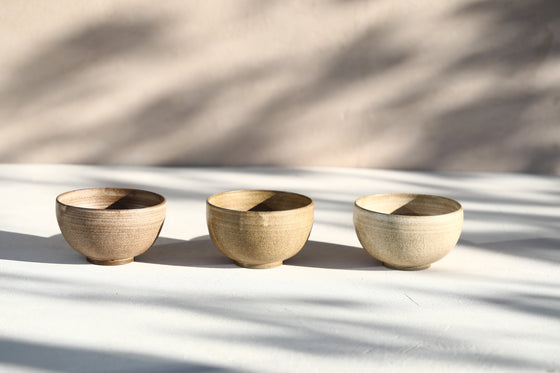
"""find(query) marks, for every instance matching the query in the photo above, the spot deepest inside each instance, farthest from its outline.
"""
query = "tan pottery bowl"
(259, 228)
(110, 225)
(407, 231)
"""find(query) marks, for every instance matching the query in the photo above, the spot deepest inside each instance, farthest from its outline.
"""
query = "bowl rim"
(309, 204)
(459, 208)
(159, 205)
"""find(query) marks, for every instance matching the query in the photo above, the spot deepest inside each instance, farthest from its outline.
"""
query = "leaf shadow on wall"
(176, 126)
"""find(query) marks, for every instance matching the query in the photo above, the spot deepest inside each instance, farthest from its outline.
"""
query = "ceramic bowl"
(110, 225)
(259, 228)
(407, 231)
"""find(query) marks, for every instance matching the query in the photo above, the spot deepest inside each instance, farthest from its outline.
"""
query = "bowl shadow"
(327, 255)
(29, 248)
(197, 252)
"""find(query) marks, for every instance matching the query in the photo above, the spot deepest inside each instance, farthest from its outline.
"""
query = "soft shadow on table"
(197, 252)
(29, 248)
(58, 358)
(333, 256)
(540, 248)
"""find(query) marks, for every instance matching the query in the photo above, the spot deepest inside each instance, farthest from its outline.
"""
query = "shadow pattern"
(496, 129)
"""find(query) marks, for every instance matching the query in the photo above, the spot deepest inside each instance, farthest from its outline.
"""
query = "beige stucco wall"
(444, 85)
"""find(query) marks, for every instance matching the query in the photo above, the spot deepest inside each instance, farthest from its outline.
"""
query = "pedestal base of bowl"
(419, 268)
(259, 266)
(113, 262)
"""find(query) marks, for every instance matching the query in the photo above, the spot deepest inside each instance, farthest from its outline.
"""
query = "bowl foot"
(406, 268)
(113, 262)
(259, 266)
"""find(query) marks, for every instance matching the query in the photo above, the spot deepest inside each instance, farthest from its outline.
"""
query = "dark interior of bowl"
(111, 199)
(259, 200)
(408, 204)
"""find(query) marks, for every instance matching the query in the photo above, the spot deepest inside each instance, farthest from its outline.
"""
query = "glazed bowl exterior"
(259, 228)
(407, 231)
(110, 225)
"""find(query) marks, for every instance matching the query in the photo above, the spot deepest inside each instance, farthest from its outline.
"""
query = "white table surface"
(492, 304)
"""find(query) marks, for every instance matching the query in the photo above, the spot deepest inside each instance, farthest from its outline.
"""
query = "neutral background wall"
(440, 85)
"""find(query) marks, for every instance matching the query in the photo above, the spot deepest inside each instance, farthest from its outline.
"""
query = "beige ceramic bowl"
(110, 225)
(259, 228)
(407, 231)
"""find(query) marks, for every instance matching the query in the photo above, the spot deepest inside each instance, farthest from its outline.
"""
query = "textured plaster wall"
(440, 85)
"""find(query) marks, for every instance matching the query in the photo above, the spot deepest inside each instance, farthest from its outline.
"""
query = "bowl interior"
(259, 200)
(110, 199)
(408, 204)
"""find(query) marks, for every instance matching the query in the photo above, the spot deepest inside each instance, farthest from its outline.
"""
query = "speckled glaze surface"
(259, 228)
(110, 226)
(407, 231)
